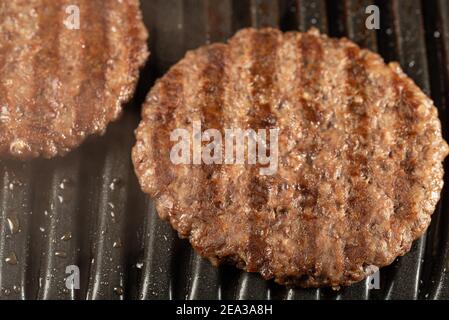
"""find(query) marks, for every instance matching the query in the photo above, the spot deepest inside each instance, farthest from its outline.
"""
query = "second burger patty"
(360, 157)
(59, 81)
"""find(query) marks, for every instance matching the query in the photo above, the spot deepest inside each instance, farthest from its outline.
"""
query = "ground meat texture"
(59, 85)
(360, 157)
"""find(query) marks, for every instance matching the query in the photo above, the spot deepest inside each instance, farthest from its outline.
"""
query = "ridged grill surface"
(86, 209)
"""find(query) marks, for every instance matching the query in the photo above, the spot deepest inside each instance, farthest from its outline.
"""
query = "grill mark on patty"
(70, 48)
(192, 97)
(44, 68)
(135, 51)
(122, 30)
(212, 79)
(117, 31)
(264, 86)
(214, 82)
(171, 92)
(94, 34)
(263, 71)
(132, 28)
(5, 48)
(236, 104)
(310, 53)
(357, 209)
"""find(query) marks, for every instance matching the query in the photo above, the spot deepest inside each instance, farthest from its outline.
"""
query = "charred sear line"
(357, 78)
(6, 47)
(213, 87)
(263, 71)
(171, 92)
(311, 53)
(212, 90)
(135, 49)
(94, 66)
(44, 65)
(311, 60)
(358, 203)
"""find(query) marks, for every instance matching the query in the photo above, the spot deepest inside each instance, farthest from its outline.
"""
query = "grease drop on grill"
(11, 259)
(60, 254)
(119, 291)
(336, 288)
(67, 236)
(117, 244)
(64, 183)
(116, 182)
(16, 288)
(13, 224)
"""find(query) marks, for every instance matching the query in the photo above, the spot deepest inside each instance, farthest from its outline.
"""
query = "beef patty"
(59, 84)
(360, 157)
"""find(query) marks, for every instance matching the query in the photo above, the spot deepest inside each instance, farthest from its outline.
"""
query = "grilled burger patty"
(360, 157)
(57, 84)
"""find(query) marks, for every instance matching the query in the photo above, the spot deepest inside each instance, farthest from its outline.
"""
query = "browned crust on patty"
(57, 85)
(360, 156)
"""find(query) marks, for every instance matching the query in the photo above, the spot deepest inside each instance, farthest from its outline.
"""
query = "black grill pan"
(87, 210)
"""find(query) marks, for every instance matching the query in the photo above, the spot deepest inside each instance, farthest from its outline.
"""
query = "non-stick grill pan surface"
(84, 216)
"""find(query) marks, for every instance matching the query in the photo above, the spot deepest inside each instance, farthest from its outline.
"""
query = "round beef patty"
(360, 157)
(60, 83)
